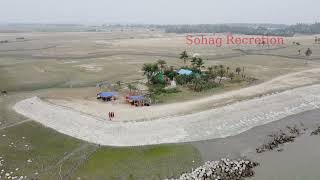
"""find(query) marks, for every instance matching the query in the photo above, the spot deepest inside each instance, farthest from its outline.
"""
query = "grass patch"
(31, 141)
(50, 150)
(186, 94)
(151, 162)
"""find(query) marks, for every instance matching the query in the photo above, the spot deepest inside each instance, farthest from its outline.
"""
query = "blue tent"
(184, 72)
(136, 98)
(107, 94)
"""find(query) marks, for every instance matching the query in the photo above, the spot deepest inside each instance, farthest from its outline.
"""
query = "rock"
(279, 139)
(225, 169)
(315, 132)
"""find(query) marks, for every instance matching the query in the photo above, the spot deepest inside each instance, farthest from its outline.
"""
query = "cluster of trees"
(152, 70)
(248, 29)
(202, 78)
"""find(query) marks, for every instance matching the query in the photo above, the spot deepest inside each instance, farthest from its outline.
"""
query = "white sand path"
(215, 123)
(124, 112)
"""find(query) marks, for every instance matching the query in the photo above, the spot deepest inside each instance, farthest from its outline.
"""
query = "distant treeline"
(248, 29)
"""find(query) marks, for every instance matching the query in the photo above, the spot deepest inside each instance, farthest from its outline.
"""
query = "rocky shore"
(283, 136)
(276, 146)
(225, 169)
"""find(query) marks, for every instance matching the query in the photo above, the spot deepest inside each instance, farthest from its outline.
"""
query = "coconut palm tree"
(199, 63)
(162, 64)
(238, 70)
(150, 70)
(194, 61)
(215, 67)
(131, 87)
(184, 56)
(228, 68)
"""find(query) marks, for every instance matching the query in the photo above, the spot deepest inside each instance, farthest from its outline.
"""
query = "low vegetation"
(162, 79)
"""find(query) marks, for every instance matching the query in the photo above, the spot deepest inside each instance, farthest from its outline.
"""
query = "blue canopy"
(108, 94)
(184, 72)
(136, 98)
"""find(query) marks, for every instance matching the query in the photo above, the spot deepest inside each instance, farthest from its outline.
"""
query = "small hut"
(138, 101)
(107, 96)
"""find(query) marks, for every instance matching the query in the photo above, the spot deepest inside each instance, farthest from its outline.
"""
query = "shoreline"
(291, 163)
(228, 120)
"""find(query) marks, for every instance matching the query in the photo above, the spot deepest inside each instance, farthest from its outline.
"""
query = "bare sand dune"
(215, 123)
(124, 112)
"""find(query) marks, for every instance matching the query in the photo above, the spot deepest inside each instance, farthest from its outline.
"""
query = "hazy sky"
(159, 11)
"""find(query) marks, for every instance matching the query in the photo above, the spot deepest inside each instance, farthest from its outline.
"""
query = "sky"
(159, 11)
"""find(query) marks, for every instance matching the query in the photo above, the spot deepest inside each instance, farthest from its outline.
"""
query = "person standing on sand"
(110, 116)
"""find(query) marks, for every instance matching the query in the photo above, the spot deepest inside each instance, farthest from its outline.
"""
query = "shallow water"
(299, 160)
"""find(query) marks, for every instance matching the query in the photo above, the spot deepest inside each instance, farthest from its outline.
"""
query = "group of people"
(111, 115)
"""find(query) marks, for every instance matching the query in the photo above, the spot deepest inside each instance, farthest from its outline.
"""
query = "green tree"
(131, 87)
(238, 70)
(216, 68)
(228, 68)
(194, 61)
(197, 84)
(162, 64)
(184, 56)
(150, 70)
(199, 63)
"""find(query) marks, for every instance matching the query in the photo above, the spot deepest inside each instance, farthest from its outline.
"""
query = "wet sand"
(298, 160)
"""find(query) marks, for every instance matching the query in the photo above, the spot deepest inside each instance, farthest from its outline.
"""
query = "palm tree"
(228, 69)
(131, 87)
(162, 64)
(215, 67)
(150, 70)
(184, 55)
(194, 61)
(238, 70)
(210, 69)
(199, 63)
